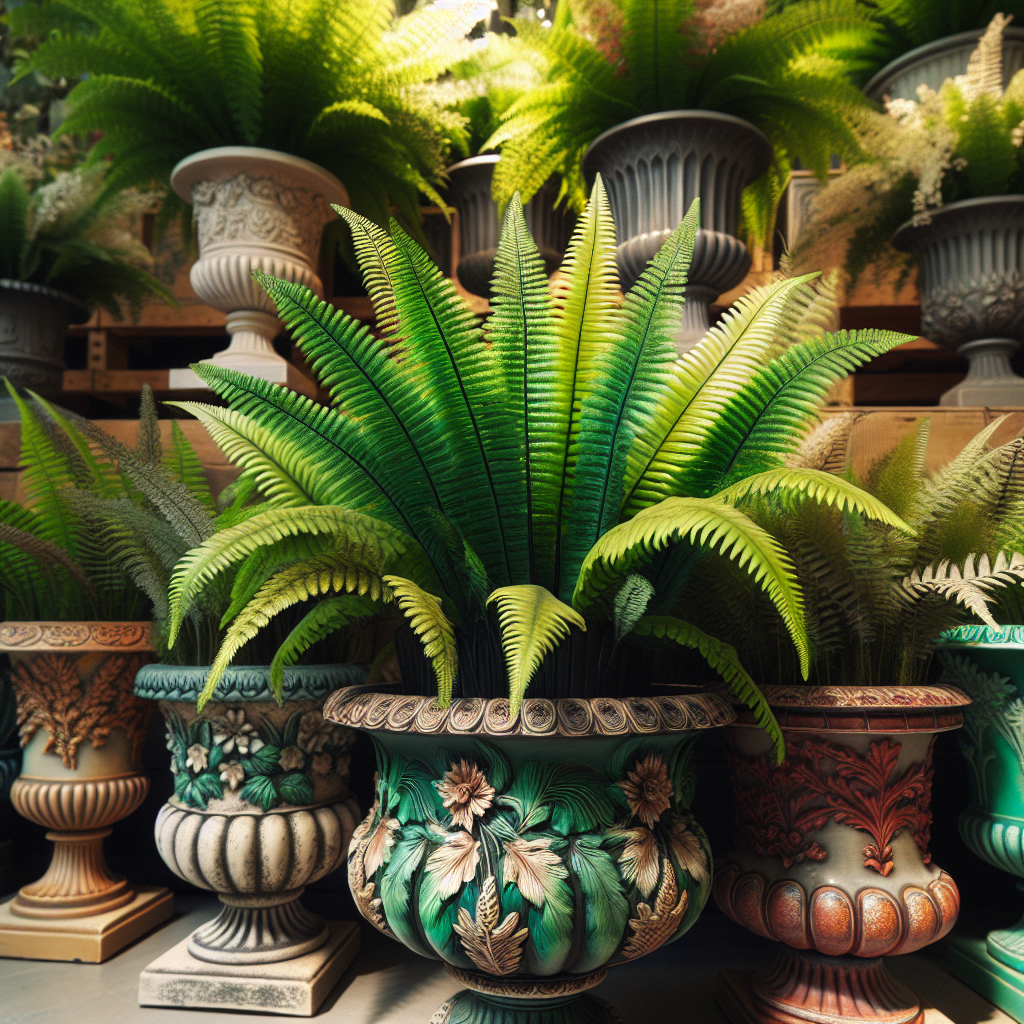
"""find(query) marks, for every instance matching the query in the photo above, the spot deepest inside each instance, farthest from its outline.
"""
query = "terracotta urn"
(831, 857)
(261, 809)
(530, 853)
(988, 665)
(469, 191)
(81, 730)
(255, 210)
(653, 168)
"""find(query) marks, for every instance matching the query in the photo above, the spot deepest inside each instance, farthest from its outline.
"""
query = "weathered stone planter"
(33, 322)
(653, 168)
(934, 62)
(261, 809)
(831, 856)
(972, 292)
(82, 730)
(530, 854)
(255, 209)
(469, 191)
(988, 665)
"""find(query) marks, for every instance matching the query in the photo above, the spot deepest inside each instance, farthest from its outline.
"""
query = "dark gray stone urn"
(469, 191)
(972, 292)
(936, 61)
(33, 322)
(653, 168)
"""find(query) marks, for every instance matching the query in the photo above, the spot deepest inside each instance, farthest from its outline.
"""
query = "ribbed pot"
(972, 291)
(988, 665)
(831, 855)
(255, 210)
(33, 322)
(82, 731)
(936, 61)
(530, 853)
(653, 168)
(262, 806)
(469, 191)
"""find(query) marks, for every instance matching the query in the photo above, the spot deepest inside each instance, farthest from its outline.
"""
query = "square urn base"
(969, 961)
(91, 939)
(294, 988)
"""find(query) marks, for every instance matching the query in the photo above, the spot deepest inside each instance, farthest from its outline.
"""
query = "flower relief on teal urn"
(530, 852)
(988, 665)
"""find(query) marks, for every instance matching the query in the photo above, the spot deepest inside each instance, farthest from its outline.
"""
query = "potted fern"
(839, 834)
(669, 102)
(253, 112)
(533, 495)
(75, 633)
(68, 246)
(943, 180)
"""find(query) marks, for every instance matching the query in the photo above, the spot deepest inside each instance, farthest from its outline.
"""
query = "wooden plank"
(905, 388)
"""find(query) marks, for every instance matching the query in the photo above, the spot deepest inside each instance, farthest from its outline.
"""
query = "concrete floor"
(389, 985)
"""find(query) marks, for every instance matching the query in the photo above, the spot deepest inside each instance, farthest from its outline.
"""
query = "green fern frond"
(631, 602)
(969, 584)
(44, 551)
(150, 445)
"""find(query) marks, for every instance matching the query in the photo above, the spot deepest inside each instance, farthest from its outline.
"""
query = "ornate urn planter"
(469, 191)
(33, 322)
(988, 665)
(255, 209)
(261, 808)
(972, 292)
(831, 855)
(653, 168)
(530, 854)
(81, 732)
(934, 62)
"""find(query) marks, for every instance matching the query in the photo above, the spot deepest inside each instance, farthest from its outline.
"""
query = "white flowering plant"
(62, 228)
(961, 142)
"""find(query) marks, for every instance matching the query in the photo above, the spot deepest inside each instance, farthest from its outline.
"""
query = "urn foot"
(515, 1000)
(1007, 946)
(970, 961)
(990, 379)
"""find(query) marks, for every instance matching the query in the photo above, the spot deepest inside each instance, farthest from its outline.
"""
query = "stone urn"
(936, 61)
(261, 809)
(82, 729)
(469, 191)
(831, 857)
(530, 853)
(254, 209)
(988, 664)
(33, 322)
(972, 292)
(653, 168)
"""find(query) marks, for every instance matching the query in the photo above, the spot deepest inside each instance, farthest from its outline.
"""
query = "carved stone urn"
(261, 809)
(33, 322)
(530, 853)
(653, 168)
(81, 732)
(254, 209)
(988, 665)
(972, 292)
(831, 856)
(469, 191)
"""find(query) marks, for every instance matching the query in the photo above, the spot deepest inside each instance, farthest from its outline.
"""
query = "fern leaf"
(533, 622)
(631, 602)
(46, 553)
(183, 463)
(150, 446)
(969, 584)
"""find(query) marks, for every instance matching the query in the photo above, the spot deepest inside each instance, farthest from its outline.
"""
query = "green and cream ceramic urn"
(988, 664)
(530, 852)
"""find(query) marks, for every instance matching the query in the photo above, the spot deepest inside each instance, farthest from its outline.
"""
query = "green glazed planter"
(988, 664)
(530, 853)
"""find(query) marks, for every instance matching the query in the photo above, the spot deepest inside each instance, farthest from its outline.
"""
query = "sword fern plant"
(539, 489)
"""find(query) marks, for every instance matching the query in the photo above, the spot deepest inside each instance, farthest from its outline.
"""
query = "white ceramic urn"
(255, 209)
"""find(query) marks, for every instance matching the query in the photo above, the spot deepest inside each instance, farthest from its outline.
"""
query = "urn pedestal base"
(276, 370)
(990, 379)
(92, 938)
(293, 988)
(970, 961)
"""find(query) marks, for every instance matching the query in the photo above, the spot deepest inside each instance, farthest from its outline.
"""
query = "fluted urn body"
(653, 168)
(530, 853)
(831, 856)
(81, 730)
(255, 210)
(261, 804)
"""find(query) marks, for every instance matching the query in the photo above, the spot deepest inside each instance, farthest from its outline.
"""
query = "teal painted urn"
(988, 664)
(530, 852)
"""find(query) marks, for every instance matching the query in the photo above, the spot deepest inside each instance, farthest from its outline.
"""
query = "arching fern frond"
(970, 584)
